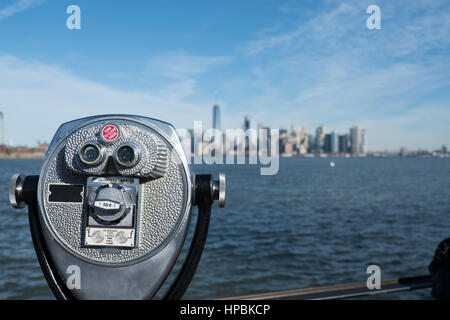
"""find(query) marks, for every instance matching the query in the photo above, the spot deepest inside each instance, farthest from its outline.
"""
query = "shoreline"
(38, 155)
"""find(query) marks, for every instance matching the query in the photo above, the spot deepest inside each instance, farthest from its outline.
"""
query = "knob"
(16, 191)
(219, 190)
(110, 204)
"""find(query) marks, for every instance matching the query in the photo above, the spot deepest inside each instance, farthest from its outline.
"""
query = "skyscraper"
(2, 129)
(299, 136)
(334, 142)
(354, 139)
(216, 117)
(247, 139)
(344, 143)
(363, 145)
(264, 142)
(358, 141)
(320, 137)
(246, 123)
(327, 143)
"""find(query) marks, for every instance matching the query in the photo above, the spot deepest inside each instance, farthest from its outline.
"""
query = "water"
(310, 225)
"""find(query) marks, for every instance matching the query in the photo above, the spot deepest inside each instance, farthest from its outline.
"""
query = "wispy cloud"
(314, 64)
(179, 72)
(19, 6)
(181, 65)
(320, 27)
(32, 91)
(407, 27)
(331, 69)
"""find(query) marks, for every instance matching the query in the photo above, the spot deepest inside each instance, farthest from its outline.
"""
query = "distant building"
(246, 123)
(300, 139)
(311, 143)
(358, 141)
(192, 142)
(354, 138)
(403, 152)
(23, 151)
(2, 129)
(283, 140)
(216, 120)
(320, 137)
(363, 145)
(42, 147)
(247, 138)
(264, 142)
(344, 143)
(216, 117)
(288, 148)
(327, 143)
(334, 143)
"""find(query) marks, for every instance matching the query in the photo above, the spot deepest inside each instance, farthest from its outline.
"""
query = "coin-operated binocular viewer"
(110, 211)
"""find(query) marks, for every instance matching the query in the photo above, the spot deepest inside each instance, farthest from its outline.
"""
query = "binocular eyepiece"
(110, 210)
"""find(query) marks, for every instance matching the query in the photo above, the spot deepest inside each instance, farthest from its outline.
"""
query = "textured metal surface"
(162, 204)
(153, 150)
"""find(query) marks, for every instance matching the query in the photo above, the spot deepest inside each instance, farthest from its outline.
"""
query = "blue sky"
(282, 62)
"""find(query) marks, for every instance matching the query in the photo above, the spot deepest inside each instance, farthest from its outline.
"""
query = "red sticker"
(110, 133)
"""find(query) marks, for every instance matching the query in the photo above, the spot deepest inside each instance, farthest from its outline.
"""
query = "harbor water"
(310, 225)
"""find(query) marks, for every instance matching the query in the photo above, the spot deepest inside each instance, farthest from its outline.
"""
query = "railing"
(343, 291)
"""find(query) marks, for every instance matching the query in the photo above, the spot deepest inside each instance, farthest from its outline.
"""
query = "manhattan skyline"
(308, 63)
